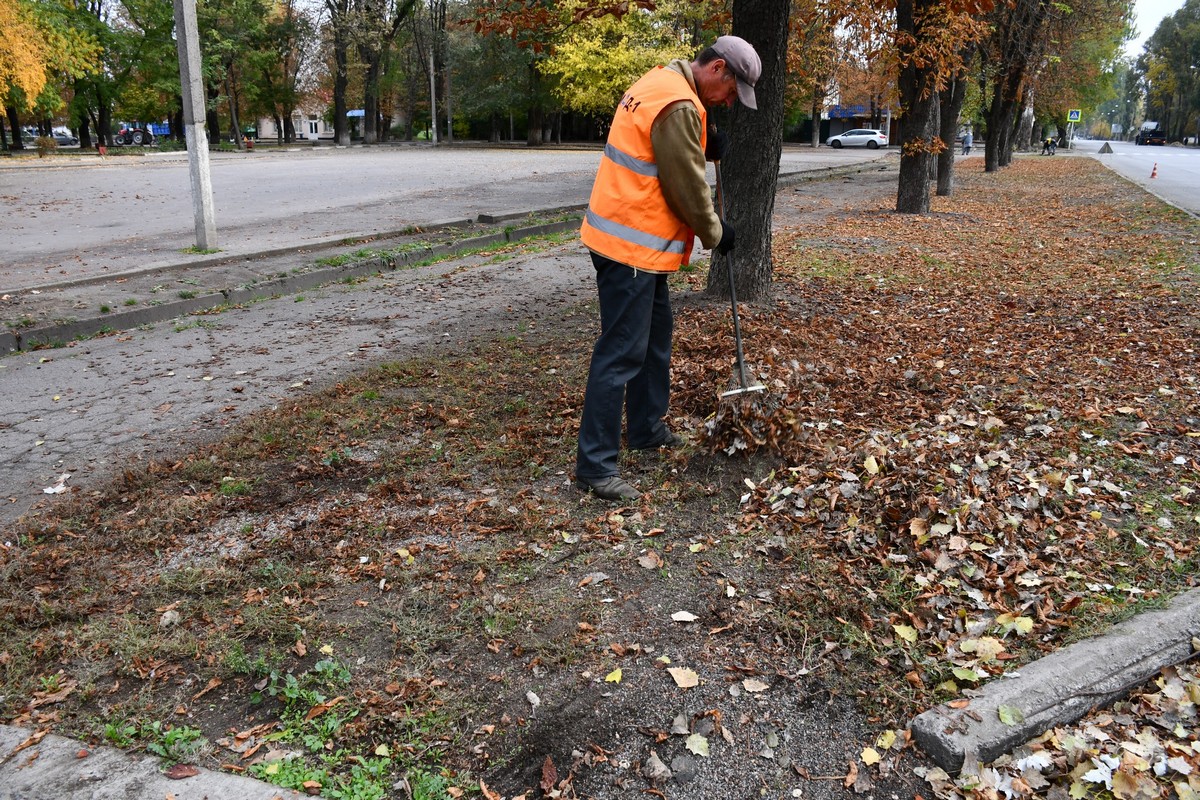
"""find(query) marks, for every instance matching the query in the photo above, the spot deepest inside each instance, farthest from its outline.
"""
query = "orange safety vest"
(628, 219)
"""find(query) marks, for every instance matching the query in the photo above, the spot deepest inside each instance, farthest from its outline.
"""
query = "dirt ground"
(393, 572)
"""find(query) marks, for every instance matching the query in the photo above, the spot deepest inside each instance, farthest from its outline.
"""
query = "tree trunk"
(951, 106)
(212, 120)
(533, 132)
(104, 125)
(750, 171)
(371, 100)
(14, 122)
(1024, 134)
(918, 108)
(234, 122)
(818, 100)
(339, 18)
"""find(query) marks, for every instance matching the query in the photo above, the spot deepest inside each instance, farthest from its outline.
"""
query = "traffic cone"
(1154, 172)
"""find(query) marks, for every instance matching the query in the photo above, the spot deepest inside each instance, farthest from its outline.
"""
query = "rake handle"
(737, 327)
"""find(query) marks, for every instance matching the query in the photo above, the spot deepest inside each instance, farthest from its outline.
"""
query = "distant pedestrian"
(968, 140)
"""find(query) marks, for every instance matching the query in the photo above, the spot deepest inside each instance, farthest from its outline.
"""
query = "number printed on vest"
(629, 104)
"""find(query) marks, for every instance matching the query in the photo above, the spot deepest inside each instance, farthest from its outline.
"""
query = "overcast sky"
(1148, 13)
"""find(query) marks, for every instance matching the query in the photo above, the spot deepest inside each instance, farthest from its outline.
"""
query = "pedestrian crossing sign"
(1074, 115)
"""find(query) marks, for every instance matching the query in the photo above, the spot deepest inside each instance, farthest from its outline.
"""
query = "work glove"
(715, 147)
(727, 238)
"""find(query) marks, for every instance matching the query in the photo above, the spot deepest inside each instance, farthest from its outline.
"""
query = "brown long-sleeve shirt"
(675, 137)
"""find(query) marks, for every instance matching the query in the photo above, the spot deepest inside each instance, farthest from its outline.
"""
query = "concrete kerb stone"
(494, 218)
(65, 769)
(1060, 688)
(813, 175)
(125, 319)
(219, 260)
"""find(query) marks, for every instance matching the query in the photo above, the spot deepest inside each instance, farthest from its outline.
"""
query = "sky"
(1147, 15)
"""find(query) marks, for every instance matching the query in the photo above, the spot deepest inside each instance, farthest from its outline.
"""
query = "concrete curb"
(56, 768)
(812, 175)
(61, 332)
(1062, 687)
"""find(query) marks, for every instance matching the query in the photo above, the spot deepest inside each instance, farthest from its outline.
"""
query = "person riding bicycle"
(1049, 146)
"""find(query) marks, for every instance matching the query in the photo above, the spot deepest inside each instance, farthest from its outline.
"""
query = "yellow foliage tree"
(598, 59)
(23, 50)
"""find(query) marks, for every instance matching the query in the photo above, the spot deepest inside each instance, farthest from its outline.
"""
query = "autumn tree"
(23, 50)
(811, 58)
(931, 43)
(42, 50)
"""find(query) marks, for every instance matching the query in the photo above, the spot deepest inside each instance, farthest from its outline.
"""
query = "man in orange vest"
(650, 200)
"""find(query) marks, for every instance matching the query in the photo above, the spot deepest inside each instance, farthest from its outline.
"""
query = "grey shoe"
(610, 488)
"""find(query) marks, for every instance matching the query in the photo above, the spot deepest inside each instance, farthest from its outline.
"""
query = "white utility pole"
(187, 42)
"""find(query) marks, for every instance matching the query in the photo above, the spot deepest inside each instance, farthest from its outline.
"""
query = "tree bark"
(818, 100)
(14, 122)
(339, 19)
(918, 109)
(750, 170)
(950, 105)
(1024, 134)
(533, 132)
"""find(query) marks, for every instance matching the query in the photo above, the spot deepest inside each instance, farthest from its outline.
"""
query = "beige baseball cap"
(744, 63)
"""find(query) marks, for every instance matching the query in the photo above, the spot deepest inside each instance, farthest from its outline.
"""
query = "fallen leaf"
(1010, 715)
(697, 744)
(488, 794)
(684, 616)
(906, 632)
(549, 775)
(684, 677)
(654, 770)
(870, 756)
(614, 676)
(755, 685)
(177, 772)
(652, 560)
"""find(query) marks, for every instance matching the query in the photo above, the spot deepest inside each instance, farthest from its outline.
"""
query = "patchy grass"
(981, 449)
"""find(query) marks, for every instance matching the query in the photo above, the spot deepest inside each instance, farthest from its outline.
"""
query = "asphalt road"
(1176, 177)
(81, 217)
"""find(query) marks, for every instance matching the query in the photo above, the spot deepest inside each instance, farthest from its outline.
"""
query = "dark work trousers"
(631, 367)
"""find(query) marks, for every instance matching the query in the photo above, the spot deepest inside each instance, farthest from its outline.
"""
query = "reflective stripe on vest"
(628, 219)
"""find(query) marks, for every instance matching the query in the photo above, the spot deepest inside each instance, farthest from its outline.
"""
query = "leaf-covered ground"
(979, 444)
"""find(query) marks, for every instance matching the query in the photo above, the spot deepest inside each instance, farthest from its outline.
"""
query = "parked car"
(1150, 133)
(65, 139)
(133, 136)
(859, 137)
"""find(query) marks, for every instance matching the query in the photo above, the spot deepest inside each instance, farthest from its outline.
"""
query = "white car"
(859, 137)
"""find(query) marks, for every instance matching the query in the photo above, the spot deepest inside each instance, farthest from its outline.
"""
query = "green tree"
(1170, 71)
